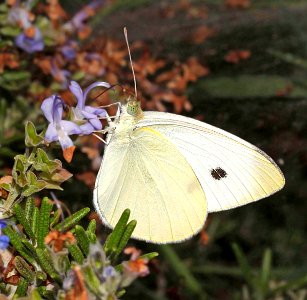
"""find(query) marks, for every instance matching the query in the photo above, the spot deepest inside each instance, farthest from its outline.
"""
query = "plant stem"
(182, 270)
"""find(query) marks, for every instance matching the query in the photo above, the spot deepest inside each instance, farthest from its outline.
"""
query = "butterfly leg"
(110, 128)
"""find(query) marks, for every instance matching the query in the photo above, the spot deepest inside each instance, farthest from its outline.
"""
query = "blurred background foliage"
(240, 65)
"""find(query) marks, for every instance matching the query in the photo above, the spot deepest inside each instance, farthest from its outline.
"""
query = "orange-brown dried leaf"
(11, 2)
(78, 292)
(286, 91)
(6, 179)
(8, 60)
(196, 68)
(88, 178)
(94, 216)
(90, 152)
(238, 3)
(89, 64)
(134, 252)
(14, 279)
(55, 11)
(58, 239)
(84, 32)
(197, 12)
(201, 34)
(204, 237)
(138, 266)
(235, 56)
(44, 63)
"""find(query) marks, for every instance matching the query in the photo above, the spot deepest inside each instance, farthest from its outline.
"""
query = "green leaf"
(24, 269)
(35, 295)
(76, 253)
(265, 271)
(114, 238)
(91, 231)
(29, 209)
(15, 240)
(40, 275)
(20, 215)
(44, 221)
(82, 239)
(55, 218)
(44, 164)
(28, 245)
(14, 80)
(10, 31)
(46, 263)
(32, 139)
(21, 288)
(91, 280)
(34, 185)
(35, 220)
(92, 226)
(72, 220)
(125, 237)
(20, 167)
(243, 263)
(182, 270)
(150, 255)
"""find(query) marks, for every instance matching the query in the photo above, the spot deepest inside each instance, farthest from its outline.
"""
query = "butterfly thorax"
(131, 113)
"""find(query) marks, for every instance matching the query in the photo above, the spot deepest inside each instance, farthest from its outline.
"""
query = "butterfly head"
(134, 108)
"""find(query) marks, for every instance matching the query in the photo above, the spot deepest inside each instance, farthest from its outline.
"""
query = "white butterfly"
(170, 171)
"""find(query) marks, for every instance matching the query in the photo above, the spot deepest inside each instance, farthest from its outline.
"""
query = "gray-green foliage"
(67, 254)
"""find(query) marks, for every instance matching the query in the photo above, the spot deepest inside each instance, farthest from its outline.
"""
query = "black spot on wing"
(218, 173)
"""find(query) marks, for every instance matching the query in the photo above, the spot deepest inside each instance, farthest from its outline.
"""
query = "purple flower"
(81, 111)
(30, 44)
(68, 51)
(4, 242)
(2, 225)
(4, 239)
(109, 271)
(58, 129)
(89, 10)
(59, 74)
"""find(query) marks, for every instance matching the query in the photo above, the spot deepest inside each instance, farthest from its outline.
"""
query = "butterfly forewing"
(149, 175)
(232, 172)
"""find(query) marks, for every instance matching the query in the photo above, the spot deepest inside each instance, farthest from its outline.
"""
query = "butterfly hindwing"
(147, 174)
(232, 172)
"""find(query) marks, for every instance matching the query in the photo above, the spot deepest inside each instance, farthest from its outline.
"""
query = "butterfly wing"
(147, 174)
(232, 172)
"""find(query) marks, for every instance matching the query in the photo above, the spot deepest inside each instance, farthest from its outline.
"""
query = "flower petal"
(77, 91)
(87, 115)
(30, 44)
(68, 153)
(65, 140)
(109, 271)
(96, 123)
(87, 128)
(4, 242)
(52, 108)
(70, 127)
(93, 85)
(95, 110)
(51, 134)
(47, 108)
(2, 224)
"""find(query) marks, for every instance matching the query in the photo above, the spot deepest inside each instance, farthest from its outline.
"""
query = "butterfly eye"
(133, 108)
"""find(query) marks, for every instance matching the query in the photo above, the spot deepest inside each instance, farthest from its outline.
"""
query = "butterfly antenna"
(126, 38)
